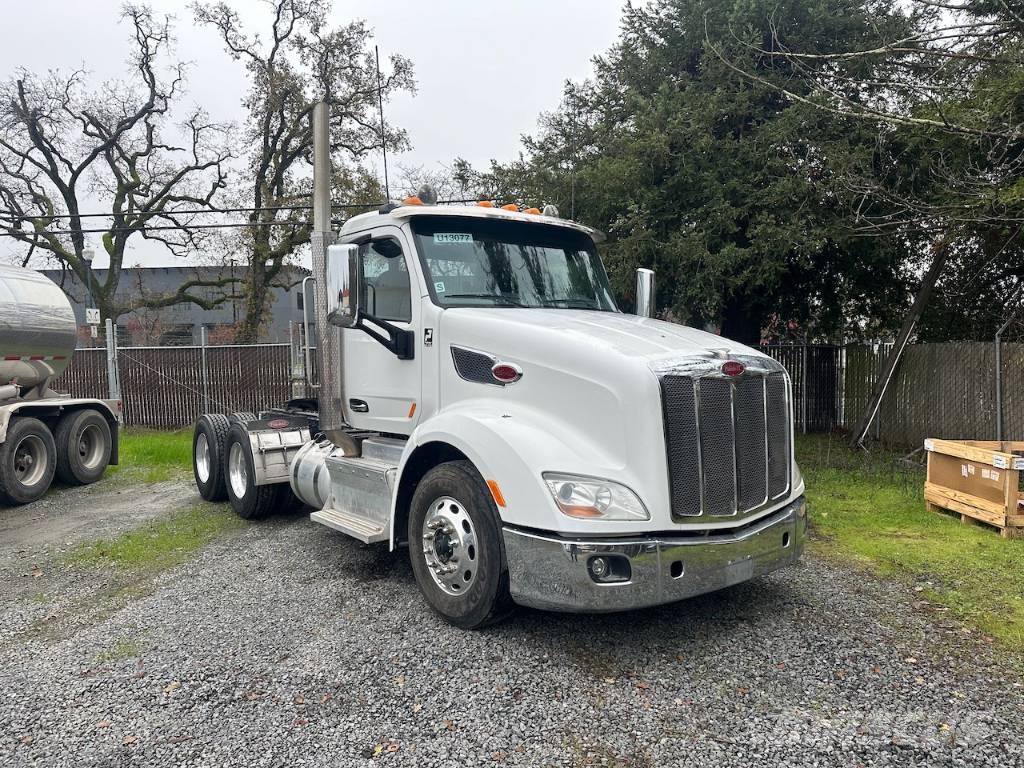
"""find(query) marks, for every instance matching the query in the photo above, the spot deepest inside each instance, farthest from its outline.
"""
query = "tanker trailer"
(43, 433)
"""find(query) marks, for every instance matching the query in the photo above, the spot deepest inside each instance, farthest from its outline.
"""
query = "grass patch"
(160, 545)
(870, 508)
(154, 456)
(122, 649)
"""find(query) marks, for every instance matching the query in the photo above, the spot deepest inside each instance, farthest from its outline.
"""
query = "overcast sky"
(484, 70)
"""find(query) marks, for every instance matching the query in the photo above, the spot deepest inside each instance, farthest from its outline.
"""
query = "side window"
(386, 292)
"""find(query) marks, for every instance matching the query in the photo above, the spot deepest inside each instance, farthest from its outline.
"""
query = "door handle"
(359, 406)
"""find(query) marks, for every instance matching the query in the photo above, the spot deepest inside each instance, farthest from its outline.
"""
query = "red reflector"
(506, 373)
(37, 357)
(11, 357)
(733, 368)
(278, 424)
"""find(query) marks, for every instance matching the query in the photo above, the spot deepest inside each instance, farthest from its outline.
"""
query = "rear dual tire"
(28, 461)
(208, 442)
(250, 501)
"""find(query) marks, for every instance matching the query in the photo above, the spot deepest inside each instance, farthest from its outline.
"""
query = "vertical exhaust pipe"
(645, 292)
(330, 344)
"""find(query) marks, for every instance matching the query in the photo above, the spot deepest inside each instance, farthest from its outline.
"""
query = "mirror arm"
(399, 341)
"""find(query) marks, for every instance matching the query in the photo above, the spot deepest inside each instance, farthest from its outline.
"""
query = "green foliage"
(870, 508)
(724, 185)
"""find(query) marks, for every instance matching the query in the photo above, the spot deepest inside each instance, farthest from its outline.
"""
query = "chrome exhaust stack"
(329, 348)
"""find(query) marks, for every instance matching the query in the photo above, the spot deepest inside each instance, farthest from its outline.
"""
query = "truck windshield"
(473, 262)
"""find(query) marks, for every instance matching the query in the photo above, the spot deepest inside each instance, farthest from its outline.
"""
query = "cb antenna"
(383, 135)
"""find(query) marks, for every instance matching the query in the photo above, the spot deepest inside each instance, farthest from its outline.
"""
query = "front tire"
(456, 549)
(250, 501)
(28, 459)
(83, 447)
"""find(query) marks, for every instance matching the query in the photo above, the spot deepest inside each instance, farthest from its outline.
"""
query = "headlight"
(594, 499)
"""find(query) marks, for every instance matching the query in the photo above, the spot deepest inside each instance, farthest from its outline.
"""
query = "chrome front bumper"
(553, 573)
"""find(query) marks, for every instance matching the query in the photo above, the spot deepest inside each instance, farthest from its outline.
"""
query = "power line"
(187, 212)
(112, 229)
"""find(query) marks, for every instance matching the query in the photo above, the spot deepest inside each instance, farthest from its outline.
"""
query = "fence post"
(803, 391)
(113, 374)
(206, 374)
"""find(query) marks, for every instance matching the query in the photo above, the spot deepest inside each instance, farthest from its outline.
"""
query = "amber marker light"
(499, 498)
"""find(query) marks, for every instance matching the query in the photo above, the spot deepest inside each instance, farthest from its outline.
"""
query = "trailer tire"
(83, 447)
(250, 501)
(28, 460)
(208, 441)
(460, 567)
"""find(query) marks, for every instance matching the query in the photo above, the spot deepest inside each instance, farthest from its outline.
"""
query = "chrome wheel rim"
(30, 460)
(90, 447)
(238, 472)
(450, 546)
(203, 458)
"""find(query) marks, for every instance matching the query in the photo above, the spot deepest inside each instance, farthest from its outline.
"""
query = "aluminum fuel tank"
(37, 327)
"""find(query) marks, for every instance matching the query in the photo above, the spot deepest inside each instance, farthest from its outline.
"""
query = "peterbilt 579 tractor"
(44, 434)
(483, 402)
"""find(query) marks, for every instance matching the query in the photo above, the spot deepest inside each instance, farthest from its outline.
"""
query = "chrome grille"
(727, 440)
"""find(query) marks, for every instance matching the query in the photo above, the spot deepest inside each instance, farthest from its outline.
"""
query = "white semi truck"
(483, 402)
(43, 433)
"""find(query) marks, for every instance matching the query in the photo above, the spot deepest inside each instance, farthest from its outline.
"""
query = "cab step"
(366, 531)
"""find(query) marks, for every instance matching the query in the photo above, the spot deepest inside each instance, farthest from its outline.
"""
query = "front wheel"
(455, 547)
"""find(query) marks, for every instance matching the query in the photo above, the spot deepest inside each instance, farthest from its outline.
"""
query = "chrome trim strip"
(735, 472)
(700, 448)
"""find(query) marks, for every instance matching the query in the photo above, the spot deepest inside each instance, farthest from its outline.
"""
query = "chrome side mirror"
(344, 275)
(645, 292)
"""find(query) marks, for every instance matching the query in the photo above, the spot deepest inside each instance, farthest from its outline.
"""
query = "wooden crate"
(979, 480)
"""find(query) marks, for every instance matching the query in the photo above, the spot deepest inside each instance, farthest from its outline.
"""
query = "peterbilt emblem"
(279, 424)
(733, 367)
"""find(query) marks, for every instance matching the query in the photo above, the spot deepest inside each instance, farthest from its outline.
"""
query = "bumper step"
(366, 531)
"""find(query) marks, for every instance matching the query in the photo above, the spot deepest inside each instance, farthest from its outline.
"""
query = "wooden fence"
(939, 390)
(166, 386)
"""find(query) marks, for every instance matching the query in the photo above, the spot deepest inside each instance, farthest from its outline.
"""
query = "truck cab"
(483, 401)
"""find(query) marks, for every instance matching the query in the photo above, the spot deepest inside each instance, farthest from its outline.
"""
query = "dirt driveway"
(284, 643)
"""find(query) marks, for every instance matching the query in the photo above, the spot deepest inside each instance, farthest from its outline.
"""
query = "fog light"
(609, 569)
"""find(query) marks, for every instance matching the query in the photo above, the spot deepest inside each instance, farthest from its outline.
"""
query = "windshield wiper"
(572, 303)
(495, 296)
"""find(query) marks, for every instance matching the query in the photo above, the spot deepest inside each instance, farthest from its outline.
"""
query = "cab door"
(382, 391)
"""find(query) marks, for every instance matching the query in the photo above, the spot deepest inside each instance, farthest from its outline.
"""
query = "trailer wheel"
(250, 501)
(28, 459)
(208, 440)
(83, 447)
(456, 549)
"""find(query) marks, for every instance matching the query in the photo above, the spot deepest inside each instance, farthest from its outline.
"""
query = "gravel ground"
(287, 644)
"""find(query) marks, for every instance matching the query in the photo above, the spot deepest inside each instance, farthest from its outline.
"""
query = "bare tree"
(300, 62)
(62, 144)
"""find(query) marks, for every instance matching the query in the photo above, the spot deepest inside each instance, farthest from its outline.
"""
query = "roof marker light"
(485, 204)
(510, 207)
(533, 211)
(412, 200)
(551, 210)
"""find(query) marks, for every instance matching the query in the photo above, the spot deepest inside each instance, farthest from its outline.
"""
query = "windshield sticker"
(453, 237)
(439, 286)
